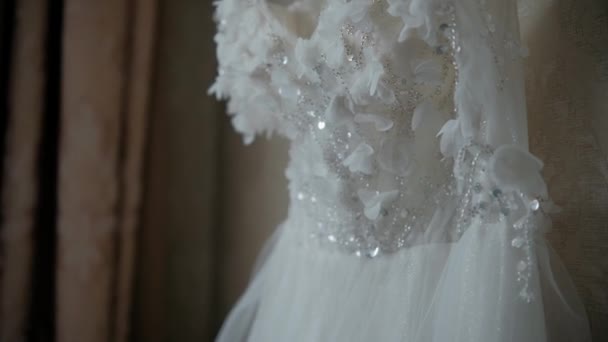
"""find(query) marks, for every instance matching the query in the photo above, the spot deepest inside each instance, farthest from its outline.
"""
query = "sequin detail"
(364, 114)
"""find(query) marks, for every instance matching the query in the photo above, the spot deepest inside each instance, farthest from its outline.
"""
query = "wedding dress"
(417, 211)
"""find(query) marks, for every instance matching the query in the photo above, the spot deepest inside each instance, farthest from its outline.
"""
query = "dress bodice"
(363, 89)
(406, 117)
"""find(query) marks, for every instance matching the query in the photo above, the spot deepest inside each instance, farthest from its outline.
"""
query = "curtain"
(75, 89)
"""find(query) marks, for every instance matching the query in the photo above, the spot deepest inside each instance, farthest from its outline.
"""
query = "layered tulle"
(458, 292)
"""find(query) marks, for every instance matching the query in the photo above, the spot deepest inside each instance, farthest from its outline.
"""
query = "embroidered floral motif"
(366, 92)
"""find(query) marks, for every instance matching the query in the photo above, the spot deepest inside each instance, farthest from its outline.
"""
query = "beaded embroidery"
(362, 94)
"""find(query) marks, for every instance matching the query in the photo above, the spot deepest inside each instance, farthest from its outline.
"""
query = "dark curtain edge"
(41, 320)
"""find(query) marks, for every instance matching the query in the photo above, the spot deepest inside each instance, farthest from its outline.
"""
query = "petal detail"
(360, 160)
(513, 168)
(340, 110)
(382, 124)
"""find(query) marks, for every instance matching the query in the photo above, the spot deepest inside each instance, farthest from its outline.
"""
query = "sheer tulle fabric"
(462, 291)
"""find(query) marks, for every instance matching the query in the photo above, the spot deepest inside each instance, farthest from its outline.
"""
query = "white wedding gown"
(417, 212)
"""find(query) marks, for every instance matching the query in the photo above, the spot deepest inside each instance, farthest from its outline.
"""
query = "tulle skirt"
(442, 292)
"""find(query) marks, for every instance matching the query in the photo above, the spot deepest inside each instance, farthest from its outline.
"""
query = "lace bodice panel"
(362, 98)
(405, 116)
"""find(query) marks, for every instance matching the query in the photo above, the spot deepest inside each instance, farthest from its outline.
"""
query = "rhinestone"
(517, 242)
(521, 266)
(321, 125)
(534, 205)
(300, 196)
(285, 60)
(374, 252)
(526, 295)
(332, 238)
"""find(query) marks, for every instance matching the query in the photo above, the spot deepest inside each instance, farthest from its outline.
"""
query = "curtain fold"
(106, 60)
(75, 103)
(19, 195)
(95, 38)
(134, 140)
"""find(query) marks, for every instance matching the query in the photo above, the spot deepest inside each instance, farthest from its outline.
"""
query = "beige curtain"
(106, 56)
(78, 74)
(24, 96)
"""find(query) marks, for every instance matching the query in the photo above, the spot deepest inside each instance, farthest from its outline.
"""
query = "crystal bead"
(521, 266)
(534, 205)
(526, 295)
(374, 252)
(517, 242)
